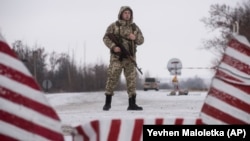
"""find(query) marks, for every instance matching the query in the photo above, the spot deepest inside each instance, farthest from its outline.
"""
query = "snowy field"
(79, 108)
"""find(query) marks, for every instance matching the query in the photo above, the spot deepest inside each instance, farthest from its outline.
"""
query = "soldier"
(130, 36)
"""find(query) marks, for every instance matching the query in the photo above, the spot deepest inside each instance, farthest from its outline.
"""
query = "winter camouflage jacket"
(123, 29)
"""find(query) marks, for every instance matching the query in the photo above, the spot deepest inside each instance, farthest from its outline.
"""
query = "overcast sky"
(171, 28)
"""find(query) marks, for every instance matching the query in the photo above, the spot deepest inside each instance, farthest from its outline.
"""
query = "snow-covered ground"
(79, 108)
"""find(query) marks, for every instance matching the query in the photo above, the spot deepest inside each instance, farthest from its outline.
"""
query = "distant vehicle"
(151, 84)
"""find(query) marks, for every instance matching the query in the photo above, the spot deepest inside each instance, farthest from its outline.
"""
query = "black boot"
(132, 104)
(107, 105)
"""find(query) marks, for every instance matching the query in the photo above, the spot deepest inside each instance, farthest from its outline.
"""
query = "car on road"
(151, 83)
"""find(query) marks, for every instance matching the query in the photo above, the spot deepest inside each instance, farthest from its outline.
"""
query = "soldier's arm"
(139, 36)
(110, 44)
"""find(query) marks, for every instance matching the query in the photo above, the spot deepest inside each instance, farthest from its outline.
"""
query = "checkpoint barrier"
(25, 113)
(228, 99)
(124, 129)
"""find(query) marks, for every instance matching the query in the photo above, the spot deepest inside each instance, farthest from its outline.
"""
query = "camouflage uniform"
(122, 29)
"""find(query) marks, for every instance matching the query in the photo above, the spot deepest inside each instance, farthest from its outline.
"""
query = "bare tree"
(34, 59)
(224, 19)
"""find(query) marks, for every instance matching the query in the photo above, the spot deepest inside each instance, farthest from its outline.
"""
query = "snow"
(79, 108)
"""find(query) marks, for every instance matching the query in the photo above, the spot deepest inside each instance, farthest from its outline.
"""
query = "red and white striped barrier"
(124, 129)
(25, 113)
(228, 100)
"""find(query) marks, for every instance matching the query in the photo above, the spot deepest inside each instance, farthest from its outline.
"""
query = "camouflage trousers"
(114, 73)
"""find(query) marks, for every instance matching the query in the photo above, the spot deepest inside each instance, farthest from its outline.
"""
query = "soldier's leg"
(130, 75)
(114, 72)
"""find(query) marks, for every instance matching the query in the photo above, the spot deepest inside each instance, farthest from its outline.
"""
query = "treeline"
(68, 76)
(60, 69)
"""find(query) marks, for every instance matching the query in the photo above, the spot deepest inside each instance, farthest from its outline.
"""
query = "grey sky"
(172, 29)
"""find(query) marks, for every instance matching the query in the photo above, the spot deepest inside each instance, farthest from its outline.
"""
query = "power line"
(199, 68)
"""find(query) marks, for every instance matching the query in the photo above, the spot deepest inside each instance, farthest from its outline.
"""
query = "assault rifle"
(124, 52)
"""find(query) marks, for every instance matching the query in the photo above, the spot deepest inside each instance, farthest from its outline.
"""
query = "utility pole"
(236, 27)
(84, 55)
